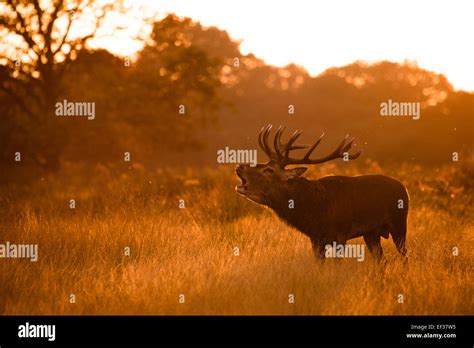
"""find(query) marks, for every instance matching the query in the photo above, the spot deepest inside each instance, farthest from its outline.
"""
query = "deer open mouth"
(242, 188)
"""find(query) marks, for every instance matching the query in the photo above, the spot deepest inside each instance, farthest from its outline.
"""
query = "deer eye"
(268, 170)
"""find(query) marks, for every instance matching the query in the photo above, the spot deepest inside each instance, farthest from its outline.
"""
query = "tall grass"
(191, 251)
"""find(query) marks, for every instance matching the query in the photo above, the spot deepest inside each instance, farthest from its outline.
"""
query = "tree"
(173, 87)
(40, 39)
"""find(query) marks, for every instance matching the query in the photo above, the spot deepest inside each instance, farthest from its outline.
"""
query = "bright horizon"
(435, 34)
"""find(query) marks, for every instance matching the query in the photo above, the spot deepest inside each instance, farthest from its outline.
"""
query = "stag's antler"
(280, 152)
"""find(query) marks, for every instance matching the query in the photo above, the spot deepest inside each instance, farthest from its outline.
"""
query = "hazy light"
(321, 34)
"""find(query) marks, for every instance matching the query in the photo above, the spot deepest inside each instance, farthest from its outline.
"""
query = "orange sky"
(321, 34)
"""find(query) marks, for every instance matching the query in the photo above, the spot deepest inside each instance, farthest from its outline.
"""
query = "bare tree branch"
(20, 27)
(39, 13)
(43, 40)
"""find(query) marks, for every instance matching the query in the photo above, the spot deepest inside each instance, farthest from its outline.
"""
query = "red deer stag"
(332, 208)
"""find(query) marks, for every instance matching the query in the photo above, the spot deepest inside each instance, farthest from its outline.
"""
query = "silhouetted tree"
(38, 44)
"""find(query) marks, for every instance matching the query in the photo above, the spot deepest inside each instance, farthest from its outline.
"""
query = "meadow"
(191, 250)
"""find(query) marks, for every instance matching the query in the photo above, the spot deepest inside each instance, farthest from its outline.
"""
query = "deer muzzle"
(242, 187)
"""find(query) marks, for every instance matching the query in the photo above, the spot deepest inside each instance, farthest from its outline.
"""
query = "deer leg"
(399, 233)
(372, 240)
(318, 250)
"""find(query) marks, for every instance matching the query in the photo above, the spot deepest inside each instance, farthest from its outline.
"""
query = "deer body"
(340, 208)
(332, 208)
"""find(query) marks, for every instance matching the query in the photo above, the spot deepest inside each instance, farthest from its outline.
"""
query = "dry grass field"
(191, 250)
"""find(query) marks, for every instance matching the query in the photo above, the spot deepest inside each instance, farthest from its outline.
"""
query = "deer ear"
(294, 172)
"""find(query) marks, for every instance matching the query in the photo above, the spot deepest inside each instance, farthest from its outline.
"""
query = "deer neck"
(295, 200)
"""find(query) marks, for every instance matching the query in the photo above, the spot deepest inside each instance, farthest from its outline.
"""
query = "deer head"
(266, 181)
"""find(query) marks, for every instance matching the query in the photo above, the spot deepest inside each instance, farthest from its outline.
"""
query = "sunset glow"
(253, 161)
(319, 35)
